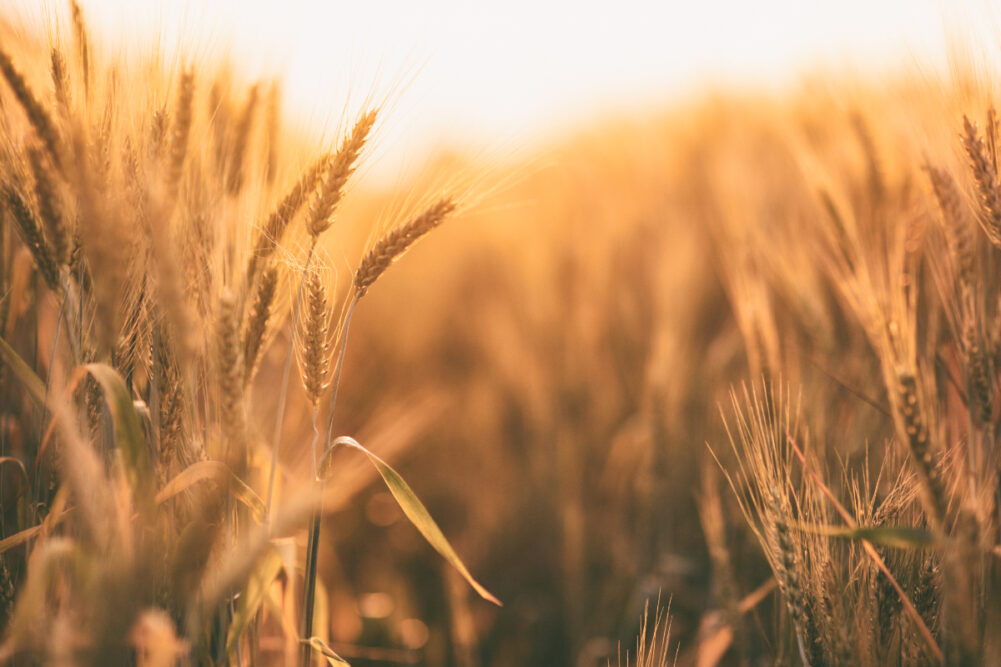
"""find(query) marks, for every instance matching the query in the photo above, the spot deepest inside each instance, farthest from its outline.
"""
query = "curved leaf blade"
(414, 510)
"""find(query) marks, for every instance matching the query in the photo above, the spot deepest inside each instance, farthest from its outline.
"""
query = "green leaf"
(23, 372)
(900, 537)
(319, 645)
(253, 594)
(220, 473)
(129, 436)
(413, 508)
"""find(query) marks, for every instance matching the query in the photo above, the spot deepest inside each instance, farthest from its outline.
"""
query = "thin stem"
(313, 544)
(48, 379)
(337, 373)
(283, 393)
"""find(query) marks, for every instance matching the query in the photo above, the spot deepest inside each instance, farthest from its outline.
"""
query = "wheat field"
(714, 385)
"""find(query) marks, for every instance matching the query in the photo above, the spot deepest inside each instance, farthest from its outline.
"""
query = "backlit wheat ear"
(49, 209)
(393, 244)
(788, 572)
(234, 176)
(992, 137)
(877, 185)
(180, 130)
(341, 168)
(272, 126)
(282, 215)
(987, 183)
(60, 80)
(961, 243)
(37, 115)
(916, 437)
(844, 245)
(229, 370)
(257, 322)
(314, 357)
(82, 45)
(31, 234)
(163, 367)
(976, 365)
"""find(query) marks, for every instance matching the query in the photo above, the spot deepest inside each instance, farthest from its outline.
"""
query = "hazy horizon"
(492, 74)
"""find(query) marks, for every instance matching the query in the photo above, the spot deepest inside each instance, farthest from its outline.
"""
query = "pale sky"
(493, 72)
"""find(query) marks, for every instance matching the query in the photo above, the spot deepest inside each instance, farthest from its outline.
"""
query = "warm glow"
(489, 72)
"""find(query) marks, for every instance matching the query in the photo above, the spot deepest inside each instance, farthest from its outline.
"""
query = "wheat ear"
(181, 129)
(341, 168)
(49, 209)
(986, 177)
(37, 115)
(31, 234)
(82, 45)
(313, 338)
(257, 322)
(395, 243)
(279, 219)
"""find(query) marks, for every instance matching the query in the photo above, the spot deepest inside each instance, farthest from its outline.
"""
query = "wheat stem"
(286, 375)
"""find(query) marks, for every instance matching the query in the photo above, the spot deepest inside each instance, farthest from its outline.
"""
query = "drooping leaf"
(412, 507)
